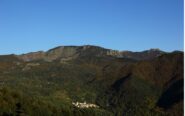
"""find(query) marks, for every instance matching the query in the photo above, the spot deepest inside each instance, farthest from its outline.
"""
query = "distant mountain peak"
(154, 49)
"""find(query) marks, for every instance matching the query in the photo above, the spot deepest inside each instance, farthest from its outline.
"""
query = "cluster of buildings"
(84, 105)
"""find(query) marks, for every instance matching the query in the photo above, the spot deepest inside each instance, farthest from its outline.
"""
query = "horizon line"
(93, 46)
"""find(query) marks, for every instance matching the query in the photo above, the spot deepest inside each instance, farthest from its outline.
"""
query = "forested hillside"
(92, 81)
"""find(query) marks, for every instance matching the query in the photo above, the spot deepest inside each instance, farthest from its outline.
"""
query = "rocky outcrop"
(32, 56)
(61, 52)
(144, 55)
(114, 53)
(29, 66)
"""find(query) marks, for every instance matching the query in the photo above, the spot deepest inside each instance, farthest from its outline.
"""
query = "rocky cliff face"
(61, 52)
(71, 52)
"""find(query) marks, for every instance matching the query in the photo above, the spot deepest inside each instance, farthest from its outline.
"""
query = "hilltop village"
(84, 105)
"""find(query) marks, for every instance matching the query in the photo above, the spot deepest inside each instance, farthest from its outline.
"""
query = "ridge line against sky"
(32, 25)
(46, 50)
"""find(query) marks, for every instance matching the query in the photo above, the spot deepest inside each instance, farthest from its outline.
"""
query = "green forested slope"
(119, 86)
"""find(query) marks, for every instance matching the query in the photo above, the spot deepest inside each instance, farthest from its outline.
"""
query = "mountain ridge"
(77, 51)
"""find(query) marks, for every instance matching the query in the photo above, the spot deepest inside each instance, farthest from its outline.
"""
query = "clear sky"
(136, 25)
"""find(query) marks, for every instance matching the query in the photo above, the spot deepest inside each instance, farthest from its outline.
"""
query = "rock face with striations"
(60, 52)
(71, 52)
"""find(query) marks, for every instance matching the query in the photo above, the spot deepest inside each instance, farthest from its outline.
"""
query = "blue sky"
(136, 25)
